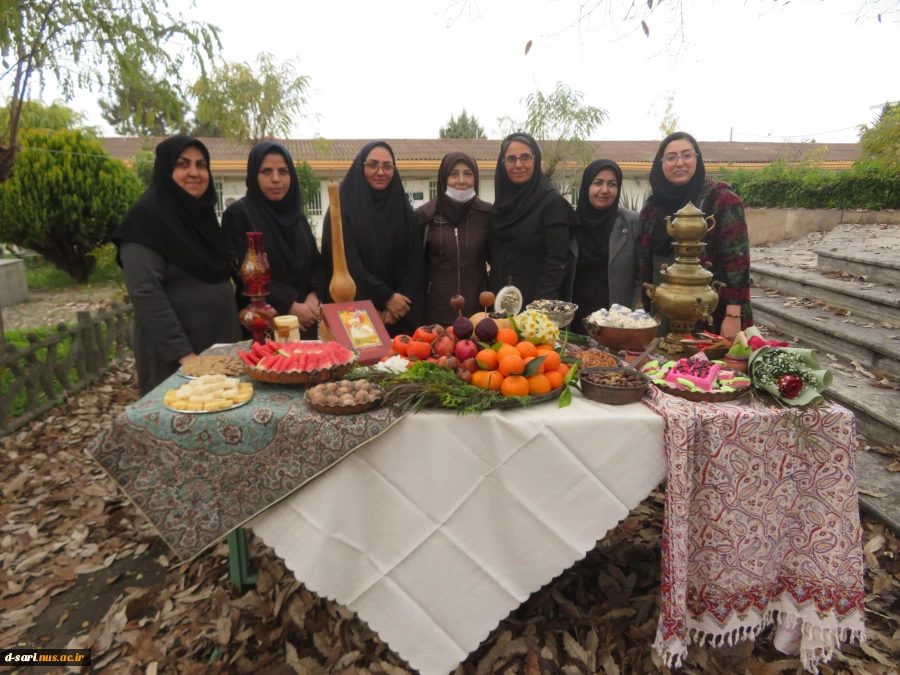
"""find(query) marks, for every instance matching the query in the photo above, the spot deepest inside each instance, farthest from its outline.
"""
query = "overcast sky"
(399, 68)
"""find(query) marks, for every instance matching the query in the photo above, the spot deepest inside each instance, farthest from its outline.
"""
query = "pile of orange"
(503, 369)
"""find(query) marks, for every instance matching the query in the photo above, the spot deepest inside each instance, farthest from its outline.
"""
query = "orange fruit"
(489, 358)
(478, 377)
(562, 370)
(555, 379)
(543, 349)
(540, 367)
(526, 349)
(508, 336)
(507, 350)
(538, 384)
(514, 385)
(552, 361)
(512, 365)
(492, 380)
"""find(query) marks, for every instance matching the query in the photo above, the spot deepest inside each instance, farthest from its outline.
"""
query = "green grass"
(43, 276)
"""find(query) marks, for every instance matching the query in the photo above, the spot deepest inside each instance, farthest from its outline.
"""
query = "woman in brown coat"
(455, 232)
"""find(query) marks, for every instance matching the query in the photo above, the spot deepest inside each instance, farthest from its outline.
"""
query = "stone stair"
(843, 298)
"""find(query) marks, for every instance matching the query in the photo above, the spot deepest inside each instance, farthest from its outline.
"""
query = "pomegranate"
(457, 302)
(486, 299)
(466, 349)
(444, 345)
(464, 375)
(486, 330)
(448, 363)
(469, 364)
(463, 328)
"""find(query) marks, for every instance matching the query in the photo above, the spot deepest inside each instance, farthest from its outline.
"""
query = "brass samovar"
(687, 293)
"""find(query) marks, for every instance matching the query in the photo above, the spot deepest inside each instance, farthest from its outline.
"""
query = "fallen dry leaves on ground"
(62, 521)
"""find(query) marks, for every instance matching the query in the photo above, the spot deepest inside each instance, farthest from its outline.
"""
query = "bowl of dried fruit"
(345, 397)
(559, 312)
(616, 386)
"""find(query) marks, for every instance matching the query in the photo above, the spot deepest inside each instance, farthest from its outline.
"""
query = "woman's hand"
(731, 324)
(398, 305)
(185, 359)
(306, 316)
(387, 318)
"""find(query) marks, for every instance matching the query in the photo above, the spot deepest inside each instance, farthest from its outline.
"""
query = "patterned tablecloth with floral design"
(761, 526)
(197, 477)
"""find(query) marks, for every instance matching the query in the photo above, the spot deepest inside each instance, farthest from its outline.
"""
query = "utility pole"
(730, 134)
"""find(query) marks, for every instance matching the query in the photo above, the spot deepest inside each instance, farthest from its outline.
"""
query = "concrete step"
(881, 267)
(874, 348)
(878, 303)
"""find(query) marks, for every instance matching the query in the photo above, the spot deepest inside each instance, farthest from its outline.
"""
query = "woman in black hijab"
(678, 176)
(177, 264)
(607, 243)
(274, 206)
(530, 225)
(455, 225)
(382, 241)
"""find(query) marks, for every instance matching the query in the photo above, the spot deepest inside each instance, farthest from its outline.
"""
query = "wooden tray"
(704, 396)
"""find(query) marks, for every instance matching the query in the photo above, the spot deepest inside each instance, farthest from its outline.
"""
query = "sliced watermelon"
(274, 346)
(246, 359)
(258, 349)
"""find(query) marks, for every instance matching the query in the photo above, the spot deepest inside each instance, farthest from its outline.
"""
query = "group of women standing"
(180, 264)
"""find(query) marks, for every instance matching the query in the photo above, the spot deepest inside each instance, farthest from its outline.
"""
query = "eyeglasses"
(685, 157)
(373, 166)
(525, 158)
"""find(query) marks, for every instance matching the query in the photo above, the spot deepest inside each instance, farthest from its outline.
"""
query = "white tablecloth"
(436, 530)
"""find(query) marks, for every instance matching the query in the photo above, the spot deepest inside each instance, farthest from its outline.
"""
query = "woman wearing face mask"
(678, 176)
(273, 206)
(177, 264)
(529, 239)
(382, 240)
(607, 242)
(455, 228)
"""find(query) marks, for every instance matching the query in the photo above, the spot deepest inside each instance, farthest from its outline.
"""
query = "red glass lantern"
(258, 316)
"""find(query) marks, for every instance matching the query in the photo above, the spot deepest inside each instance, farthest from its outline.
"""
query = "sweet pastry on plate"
(209, 393)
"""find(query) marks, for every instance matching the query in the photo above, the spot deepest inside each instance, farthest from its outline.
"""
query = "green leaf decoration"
(565, 398)
(496, 346)
(482, 365)
(572, 360)
(571, 375)
(532, 366)
(512, 324)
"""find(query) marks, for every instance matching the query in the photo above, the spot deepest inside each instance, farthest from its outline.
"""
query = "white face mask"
(461, 196)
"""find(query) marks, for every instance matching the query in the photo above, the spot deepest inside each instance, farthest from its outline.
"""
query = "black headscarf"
(517, 207)
(182, 229)
(285, 217)
(593, 235)
(451, 210)
(669, 197)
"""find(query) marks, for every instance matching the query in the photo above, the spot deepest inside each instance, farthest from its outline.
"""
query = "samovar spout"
(651, 291)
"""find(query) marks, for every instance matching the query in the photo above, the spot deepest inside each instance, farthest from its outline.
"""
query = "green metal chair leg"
(237, 561)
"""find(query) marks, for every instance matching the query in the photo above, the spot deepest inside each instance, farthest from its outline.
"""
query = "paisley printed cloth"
(198, 477)
(761, 525)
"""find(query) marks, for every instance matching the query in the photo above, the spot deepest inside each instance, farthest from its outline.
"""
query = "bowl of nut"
(559, 312)
(616, 386)
(345, 397)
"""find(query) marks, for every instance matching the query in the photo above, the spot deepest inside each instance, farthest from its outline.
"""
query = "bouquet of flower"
(791, 375)
(536, 327)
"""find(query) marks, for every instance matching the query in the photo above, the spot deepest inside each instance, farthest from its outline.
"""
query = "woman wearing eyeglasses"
(382, 241)
(678, 176)
(529, 238)
(455, 229)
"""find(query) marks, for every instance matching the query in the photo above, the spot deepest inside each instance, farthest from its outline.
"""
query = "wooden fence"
(44, 373)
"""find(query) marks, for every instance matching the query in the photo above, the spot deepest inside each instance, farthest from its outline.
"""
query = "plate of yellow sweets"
(209, 393)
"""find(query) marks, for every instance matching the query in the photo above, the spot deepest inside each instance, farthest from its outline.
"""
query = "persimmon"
(515, 385)
(489, 358)
(508, 336)
(507, 350)
(421, 350)
(555, 379)
(551, 361)
(526, 349)
(400, 343)
(538, 384)
(512, 365)
(540, 368)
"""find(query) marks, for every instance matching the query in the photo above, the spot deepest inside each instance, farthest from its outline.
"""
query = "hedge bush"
(780, 185)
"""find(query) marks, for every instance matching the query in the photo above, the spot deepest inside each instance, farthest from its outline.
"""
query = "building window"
(315, 204)
(432, 189)
(219, 187)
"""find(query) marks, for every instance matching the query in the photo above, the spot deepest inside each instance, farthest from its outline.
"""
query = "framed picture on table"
(357, 325)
